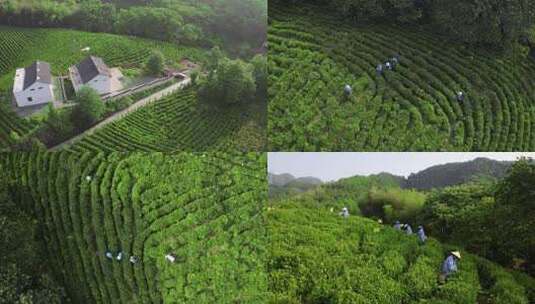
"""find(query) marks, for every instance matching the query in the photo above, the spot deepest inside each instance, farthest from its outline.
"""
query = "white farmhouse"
(94, 73)
(33, 85)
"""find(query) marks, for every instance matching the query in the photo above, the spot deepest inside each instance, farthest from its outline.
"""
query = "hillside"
(457, 173)
(314, 53)
(175, 123)
(90, 203)
(19, 47)
(318, 257)
(284, 184)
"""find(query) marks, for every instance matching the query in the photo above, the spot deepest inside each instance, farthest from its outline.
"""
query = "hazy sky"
(332, 166)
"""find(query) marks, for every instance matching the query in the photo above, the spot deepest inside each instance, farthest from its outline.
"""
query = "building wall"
(42, 93)
(101, 83)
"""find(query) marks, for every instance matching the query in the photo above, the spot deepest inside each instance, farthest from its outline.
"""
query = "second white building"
(94, 73)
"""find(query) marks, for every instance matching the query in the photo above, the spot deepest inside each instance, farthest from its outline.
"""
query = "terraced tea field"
(19, 47)
(317, 257)
(313, 55)
(175, 124)
(204, 208)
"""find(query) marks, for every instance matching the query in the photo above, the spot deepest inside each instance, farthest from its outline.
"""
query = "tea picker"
(460, 96)
(133, 259)
(171, 257)
(379, 69)
(449, 266)
(408, 229)
(421, 234)
(109, 255)
(345, 212)
(397, 225)
(348, 90)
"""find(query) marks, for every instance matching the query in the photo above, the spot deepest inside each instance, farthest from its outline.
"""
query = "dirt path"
(141, 103)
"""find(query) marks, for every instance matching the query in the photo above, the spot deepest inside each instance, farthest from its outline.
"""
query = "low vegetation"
(317, 256)
(87, 204)
(314, 53)
(176, 123)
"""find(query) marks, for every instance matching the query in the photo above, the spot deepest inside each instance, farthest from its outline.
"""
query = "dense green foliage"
(230, 83)
(450, 174)
(392, 204)
(492, 220)
(155, 64)
(175, 123)
(318, 257)
(24, 272)
(487, 23)
(491, 217)
(281, 185)
(204, 208)
(313, 55)
(240, 25)
(89, 108)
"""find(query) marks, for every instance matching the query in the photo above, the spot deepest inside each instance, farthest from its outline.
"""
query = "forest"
(483, 23)
(489, 218)
(240, 26)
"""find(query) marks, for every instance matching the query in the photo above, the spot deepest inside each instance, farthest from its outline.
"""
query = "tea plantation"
(19, 47)
(175, 123)
(204, 208)
(317, 256)
(313, 54)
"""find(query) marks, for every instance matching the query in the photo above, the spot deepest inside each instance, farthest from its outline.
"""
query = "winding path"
(141, 103)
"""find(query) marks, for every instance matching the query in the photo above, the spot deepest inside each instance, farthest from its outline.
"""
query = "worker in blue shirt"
(449, 266)
(421, 235)
(408, 229)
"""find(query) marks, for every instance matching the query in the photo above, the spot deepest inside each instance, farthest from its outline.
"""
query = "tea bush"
(313, 54)
(316, 256)
(205, 208)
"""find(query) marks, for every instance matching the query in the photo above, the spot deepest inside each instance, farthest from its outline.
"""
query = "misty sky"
(333, 166)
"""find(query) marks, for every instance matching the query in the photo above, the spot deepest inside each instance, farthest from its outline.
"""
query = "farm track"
(133, 203)
(410, 109)
(170, 124)
(135, 106)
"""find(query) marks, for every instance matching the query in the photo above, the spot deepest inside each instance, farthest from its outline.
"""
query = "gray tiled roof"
(92, 66)
(38, 71)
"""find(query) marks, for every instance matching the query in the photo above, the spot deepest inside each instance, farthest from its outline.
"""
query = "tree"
(514, 232)
(89, 108)
(493, 23)
(194, 75)
(214, 57)
(24, 276)
(59, 124)
(155, 64)
(260, 74)
(95, 15)
(232, 83)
